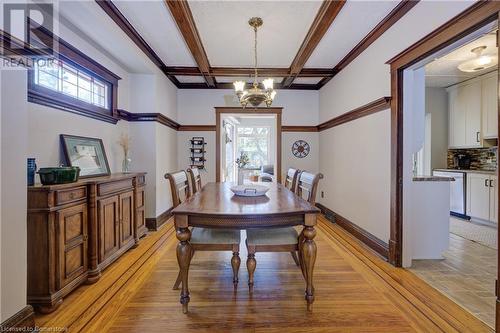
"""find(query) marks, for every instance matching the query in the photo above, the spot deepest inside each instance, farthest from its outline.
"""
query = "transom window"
(68, 80)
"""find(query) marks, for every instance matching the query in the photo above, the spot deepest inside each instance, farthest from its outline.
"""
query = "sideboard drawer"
(70, 195)
(113, 187)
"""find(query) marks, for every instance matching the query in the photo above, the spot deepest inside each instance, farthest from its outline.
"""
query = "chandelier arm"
(255, 53)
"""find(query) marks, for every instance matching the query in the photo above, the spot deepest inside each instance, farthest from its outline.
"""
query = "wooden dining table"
(215, 206)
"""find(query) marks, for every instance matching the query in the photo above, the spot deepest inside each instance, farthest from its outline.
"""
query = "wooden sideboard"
(76, 230)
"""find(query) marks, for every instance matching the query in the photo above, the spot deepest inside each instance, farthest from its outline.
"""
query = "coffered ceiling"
(209, 44)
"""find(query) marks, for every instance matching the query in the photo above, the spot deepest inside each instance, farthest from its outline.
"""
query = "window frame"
(266, 136)
(71, 56)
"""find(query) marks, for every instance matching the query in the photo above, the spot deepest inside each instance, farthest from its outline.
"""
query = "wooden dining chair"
(281, 239)
(291, 179)
(204, 239)
(195, 178)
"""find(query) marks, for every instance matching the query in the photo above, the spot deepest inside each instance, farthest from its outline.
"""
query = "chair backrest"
(179, 186)
(307, 186)
(291, 179)
(194, 175)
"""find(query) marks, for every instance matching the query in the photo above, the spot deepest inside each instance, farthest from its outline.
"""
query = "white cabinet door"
(472, 93)
(456, 104)
(489, 106)
(478, 196)
(493, 199)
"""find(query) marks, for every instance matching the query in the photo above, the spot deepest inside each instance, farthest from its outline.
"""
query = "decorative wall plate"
(300, 148)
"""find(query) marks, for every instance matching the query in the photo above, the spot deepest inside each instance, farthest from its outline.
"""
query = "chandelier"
(255, 95)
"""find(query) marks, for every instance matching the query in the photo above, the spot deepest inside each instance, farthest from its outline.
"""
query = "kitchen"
(461, 145)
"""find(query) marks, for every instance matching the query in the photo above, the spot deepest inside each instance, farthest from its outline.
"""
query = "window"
(68, 80)
(72, 81)
(255, 141)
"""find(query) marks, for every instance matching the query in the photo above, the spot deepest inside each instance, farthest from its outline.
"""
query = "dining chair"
(204, 239)
(291, 179)
(281, 239)
(195, 178)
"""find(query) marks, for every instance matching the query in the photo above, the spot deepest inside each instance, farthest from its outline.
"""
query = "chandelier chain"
(255, 53)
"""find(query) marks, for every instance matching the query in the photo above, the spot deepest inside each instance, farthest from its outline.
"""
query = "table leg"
(184, 254)
(309, 259)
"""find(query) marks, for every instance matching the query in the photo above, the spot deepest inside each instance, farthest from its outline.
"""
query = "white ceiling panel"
(229, 40)
(354, 22)
(190, 79)
(153, 21)
(443, 72)
(307, 80)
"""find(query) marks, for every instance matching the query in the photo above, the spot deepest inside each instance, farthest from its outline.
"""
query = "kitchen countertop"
(489, 172)
(433, 179)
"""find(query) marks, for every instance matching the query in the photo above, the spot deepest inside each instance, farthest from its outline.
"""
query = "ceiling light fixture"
(255, 95)
(479, 63)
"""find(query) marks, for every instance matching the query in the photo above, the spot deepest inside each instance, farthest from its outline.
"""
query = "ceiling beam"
(326, 15)
(245, 71)
(398, 12)
(185, 22)
(229, 85)
(113, 12)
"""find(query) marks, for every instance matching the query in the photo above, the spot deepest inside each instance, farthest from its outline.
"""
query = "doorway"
(455, 263)
(252, 135)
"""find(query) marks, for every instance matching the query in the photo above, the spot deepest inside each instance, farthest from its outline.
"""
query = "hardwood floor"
(355, 291)
(467, 275)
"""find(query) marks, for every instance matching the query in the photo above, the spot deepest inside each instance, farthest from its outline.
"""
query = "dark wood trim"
(246, 71)
(201, 128)
(299, 128)
(158, 117)
(185, 22)
(373, 242)
(259, 110)
(154, 223)
(397, 13)
(115, 14)
(377, 105)
(477, 15)
(229, 85)
(324, 18)
(21, 321)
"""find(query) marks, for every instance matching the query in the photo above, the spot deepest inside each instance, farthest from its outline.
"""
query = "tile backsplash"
(481, 158)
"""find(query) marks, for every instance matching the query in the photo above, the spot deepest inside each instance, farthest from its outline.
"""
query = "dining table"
(216, 206)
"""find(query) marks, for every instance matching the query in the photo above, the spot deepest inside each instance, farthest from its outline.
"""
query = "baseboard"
(155, 222)
(376, 244)
(22, 321)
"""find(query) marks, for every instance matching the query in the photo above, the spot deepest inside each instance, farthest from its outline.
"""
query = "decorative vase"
(126, 164)
(240, 176)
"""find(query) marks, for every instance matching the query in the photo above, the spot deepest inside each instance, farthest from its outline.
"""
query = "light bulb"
(268, 84)
(239, 86)
(483, 60)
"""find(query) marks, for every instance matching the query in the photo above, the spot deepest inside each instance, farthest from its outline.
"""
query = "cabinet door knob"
(486, 182)
(491, 182)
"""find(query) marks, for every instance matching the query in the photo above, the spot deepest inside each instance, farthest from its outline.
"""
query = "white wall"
(357, 180)
(436, 103)
(14, 143)
(196, 107)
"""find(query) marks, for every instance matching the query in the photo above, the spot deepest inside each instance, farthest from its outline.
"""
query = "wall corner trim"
(22, 321)
(373, 242)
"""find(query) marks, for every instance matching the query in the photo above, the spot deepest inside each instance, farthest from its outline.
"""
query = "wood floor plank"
(355, 292)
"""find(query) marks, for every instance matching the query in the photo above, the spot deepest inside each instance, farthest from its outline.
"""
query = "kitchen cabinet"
(465, 115)
(489, 105)
(482, 193)
(76, 230)
(473, 112)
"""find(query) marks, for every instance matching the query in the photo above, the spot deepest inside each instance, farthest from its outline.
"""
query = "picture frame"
(86, 153)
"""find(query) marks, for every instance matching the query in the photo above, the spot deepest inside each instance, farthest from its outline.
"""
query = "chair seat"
(272, 236)
(215, 236)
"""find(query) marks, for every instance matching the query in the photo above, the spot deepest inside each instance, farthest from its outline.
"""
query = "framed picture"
(86, 153)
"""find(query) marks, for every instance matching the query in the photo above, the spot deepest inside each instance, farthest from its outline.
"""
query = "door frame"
(259, 110)
(471, 19)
